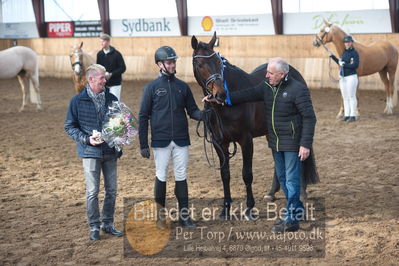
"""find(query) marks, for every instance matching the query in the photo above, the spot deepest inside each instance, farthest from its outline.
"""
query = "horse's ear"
(194, 42)
(81, 44)
(213, 40)
(328, 24)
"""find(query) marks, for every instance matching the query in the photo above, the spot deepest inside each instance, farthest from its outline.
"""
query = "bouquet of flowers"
(120, 125)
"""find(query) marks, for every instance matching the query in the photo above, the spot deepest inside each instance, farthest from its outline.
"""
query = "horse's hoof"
(304, 196)
(224, 215)
(250, 215)
(269, 197)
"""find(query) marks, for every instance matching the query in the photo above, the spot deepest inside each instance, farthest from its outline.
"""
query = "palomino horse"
(381, 57)
(80, 60)
(22, 62)
(237, 123)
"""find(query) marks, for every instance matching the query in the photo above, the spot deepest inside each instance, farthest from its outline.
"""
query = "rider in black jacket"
(164, 103)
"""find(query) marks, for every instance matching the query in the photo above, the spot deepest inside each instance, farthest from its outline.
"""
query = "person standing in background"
(348, 80)
(113, 62)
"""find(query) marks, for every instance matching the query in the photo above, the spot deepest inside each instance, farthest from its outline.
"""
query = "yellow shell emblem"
(207, 23)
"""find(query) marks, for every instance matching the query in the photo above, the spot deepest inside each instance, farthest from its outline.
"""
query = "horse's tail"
(34, 92)
(34, 96)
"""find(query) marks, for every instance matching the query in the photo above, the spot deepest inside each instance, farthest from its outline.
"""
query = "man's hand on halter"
(210, 99)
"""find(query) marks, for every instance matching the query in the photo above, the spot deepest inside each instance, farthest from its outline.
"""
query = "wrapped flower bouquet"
(120, 125)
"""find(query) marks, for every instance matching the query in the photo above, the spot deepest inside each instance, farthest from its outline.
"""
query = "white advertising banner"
(145, 27)
(19, 30)
(259, 24)
(361, 21)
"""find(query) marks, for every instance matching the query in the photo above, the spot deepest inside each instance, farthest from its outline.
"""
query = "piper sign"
(60, 29)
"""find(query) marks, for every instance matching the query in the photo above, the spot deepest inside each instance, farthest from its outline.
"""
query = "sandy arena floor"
(42, 191)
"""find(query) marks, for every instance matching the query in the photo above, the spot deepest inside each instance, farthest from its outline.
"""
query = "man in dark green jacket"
(290, 121)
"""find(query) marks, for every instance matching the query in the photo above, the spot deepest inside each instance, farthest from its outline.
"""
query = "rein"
(214, 134)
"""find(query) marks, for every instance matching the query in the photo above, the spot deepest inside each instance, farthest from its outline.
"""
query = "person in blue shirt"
(165, 103)
(349, 80)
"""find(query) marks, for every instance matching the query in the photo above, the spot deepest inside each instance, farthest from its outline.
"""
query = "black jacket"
(113, 63)
(165, 102)
(351, 59)
(290, 118)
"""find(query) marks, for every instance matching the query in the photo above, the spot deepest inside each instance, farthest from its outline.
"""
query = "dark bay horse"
(237, 123)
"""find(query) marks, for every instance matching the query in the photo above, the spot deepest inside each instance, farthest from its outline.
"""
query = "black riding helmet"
(165, 53)
(348, 38)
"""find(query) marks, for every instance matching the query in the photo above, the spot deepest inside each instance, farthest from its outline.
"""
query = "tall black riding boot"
(159, 195)
(181, 192)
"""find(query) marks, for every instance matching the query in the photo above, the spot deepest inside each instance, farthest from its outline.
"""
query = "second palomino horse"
(80, 60)
(381, 57)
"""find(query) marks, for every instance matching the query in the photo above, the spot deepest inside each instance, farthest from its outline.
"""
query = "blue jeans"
(288, 171)
(92, 168)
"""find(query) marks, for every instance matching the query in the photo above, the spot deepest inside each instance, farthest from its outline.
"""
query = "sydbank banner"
(145, 27)
(258, 24)
(362, 21)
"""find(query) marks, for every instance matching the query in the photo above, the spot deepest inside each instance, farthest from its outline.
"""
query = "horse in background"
(22, 62)
(80, 60)
(381, 57)
(231, 124)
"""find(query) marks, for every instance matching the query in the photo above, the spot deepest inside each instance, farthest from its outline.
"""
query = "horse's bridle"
(215, 76)
(76, 55)
(320, 39)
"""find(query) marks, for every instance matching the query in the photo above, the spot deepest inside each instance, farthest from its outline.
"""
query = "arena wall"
(246, 52)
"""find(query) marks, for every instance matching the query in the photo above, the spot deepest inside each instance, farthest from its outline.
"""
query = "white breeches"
(116, 90)
(348, 86)
(179, 157)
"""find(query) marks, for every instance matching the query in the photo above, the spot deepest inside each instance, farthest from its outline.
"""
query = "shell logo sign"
(207, 23)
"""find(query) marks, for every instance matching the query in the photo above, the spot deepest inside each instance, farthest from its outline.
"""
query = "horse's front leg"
(247, 149)
(225, 175)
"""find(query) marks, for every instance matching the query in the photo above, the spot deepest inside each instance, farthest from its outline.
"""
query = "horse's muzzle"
(220, 97)
(316, 43)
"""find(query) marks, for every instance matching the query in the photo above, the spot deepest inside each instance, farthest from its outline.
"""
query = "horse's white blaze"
(76, 67)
